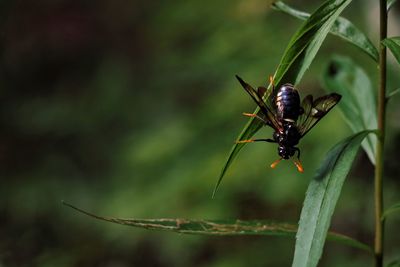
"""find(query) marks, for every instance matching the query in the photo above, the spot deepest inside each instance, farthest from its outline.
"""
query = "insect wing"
(268, 96)
(304, 118)
(266, 109)
(315, 110)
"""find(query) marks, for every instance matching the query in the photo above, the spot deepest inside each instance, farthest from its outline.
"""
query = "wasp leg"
(255, 140)
(298, 162)
(271, 81)
(298, 165)
(258, 117)
(298, 152)
(273, 164)
(251, 115)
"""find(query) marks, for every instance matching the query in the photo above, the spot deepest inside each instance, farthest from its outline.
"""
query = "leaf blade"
(221, 227)
(342, 28)
(392, 93)
(394, 263)
(390, 210)
(358, 103)
(296, 59)
(393, 44)
(390, 3)
(321, 198)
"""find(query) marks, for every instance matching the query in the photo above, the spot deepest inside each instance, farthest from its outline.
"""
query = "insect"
(281, 110)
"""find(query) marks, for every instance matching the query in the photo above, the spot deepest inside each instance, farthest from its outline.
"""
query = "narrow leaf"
(393, 93)
(393, 44)
(358, 103)
(390, 3)
(392, 209)
(342, 28)
(321, 198)
(221, 227)
(395, 263)
(297, 58)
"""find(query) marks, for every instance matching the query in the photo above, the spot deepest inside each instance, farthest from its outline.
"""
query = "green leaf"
(298, 56)
(393, 93)
(342, 28)
(221, 227)
(394, 208)
(395, 263)
(321, 198)
(358, 103)
(393, 44)
(390, 3)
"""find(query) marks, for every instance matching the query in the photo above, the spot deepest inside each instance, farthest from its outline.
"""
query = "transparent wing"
(315, 110)
(305, 118)
(265, 106)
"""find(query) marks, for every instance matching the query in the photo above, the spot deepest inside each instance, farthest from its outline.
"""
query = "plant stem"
(379, 224)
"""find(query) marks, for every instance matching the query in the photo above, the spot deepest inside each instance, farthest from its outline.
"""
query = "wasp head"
(286, 152)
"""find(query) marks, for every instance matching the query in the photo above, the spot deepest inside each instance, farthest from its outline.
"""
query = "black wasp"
(282, 111)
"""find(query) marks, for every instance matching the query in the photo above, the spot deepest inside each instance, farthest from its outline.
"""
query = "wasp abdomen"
(288, 103)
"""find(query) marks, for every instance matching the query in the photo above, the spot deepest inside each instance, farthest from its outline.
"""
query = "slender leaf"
(395, 263)
(342, 28)
(222, 227)
(321, 198)
(298, 56)
(358, 103)
(390, 3)
(393, 44)
(393, 93)
(392, 209)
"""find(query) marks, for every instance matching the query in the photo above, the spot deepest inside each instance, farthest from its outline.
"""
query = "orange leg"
(255, 140)
(271, 81)
(275, 163)
(251, 115)
(244, 141)
(297, 162)
(298, 165)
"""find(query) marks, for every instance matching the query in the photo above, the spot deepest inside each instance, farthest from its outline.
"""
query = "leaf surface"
(221, 227)
(390, 210)
(358, 104)
(393, 44)
(393, 93)
(321, 198)
(390, 3)
(342, 28)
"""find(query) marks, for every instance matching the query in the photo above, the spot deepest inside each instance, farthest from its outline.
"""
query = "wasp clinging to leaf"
(281, 110)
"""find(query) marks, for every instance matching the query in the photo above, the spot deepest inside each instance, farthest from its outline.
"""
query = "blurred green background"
(129, 109)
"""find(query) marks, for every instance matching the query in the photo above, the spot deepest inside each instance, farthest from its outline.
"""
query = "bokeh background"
(129, 109)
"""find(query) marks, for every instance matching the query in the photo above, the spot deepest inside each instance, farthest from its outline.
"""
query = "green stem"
(378, 195)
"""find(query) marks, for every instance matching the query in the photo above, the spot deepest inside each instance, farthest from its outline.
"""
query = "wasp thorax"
(289, 137)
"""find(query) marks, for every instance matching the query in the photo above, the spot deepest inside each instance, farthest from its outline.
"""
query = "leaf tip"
(273, 5)
(243, 83)
(215, 189)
